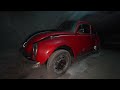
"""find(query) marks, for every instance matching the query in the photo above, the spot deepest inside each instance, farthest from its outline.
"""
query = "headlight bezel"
(35, 49)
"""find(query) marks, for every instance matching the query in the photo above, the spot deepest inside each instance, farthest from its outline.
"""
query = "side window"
(80, 29)
(84, 28)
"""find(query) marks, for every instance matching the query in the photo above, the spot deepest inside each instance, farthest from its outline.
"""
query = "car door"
(84, 37)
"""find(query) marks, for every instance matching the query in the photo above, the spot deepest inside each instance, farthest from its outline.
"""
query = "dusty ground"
(105, 65)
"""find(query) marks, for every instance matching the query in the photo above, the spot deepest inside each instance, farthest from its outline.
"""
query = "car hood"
(44, 34)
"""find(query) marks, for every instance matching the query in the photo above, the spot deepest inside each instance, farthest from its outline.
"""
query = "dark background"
(16, 26)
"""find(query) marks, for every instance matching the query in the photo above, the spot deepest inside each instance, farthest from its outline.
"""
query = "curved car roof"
(69, 25)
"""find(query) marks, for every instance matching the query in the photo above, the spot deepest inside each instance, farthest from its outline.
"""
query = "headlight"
(35, 47)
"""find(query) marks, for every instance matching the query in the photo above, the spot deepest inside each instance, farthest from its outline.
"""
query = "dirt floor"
(104, 65)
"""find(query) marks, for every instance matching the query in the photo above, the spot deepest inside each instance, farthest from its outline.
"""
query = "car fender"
(47, 47)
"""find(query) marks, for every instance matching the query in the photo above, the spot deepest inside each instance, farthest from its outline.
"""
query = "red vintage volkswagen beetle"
(57, 47)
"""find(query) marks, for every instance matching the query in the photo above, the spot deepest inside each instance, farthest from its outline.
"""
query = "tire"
(58, 63)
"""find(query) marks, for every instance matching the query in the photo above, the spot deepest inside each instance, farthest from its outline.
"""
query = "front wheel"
(58, 62)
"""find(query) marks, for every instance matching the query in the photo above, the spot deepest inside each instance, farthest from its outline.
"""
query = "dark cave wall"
(15, 26)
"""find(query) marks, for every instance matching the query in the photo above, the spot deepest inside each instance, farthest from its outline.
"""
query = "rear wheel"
(96, 49)
(58, 62)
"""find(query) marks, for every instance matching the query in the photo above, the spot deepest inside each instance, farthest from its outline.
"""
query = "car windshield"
(67, 26)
